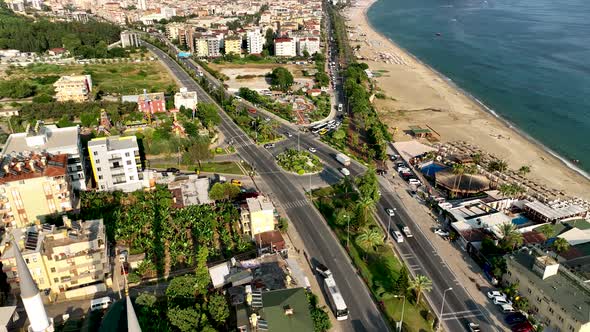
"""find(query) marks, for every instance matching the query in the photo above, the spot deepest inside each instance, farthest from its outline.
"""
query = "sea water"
(527, 60)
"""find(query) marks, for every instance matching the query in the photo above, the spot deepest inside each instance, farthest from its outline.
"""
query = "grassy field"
(116, 78)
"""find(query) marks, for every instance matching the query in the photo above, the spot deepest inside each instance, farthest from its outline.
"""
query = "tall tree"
(511, 237)
(281, 78)
(420, 284)
(369, 239)
(223, 191)
(218, 308)
(560, 245)
(198, 151)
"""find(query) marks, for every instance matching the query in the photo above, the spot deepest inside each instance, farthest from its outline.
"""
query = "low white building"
(129, 39)
(185, 98)
(285, 47)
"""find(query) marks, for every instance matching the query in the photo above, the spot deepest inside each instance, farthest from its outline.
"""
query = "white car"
(407, 231)
(502, 301)
(506, 308)
(390, 212)
(441, 232)
(397, 236)
(495, 293)
(289, 134)
(345, 171)
(312, 150)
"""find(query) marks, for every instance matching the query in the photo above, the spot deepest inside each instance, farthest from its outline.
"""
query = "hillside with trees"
(88, 40)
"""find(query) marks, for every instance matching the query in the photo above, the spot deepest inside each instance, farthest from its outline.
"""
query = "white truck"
(343, 159)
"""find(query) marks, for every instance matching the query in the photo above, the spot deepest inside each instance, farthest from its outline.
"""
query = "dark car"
(172, 170)
(269, 145)
(515, 318)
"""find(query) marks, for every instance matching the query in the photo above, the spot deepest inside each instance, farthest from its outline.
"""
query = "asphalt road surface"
(319, 241)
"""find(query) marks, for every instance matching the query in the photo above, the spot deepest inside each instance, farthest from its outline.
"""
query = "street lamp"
(401, 322)
(442, 307)
(347, 231)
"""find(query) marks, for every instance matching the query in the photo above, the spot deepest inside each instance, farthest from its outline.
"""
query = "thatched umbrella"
(462, 184)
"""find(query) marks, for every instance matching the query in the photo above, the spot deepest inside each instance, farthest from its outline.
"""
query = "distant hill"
(88, 40)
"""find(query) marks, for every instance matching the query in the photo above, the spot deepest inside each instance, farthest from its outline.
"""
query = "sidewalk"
(468, 274)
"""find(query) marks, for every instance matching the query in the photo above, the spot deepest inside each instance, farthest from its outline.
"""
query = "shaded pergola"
(460, 185)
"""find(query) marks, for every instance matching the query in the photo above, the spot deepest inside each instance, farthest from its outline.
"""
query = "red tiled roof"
(283, 40)
(55, 165)
(533, 237)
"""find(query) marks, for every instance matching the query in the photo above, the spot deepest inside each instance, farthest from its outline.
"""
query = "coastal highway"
(418, 252)
(319, 240)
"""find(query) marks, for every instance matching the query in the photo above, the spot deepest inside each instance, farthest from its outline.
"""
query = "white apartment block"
(73, 88)
(285, 47)
(53, 140)
(255, 42)
(309, 44)
(213, 47)
(185, 98)
(116, 164)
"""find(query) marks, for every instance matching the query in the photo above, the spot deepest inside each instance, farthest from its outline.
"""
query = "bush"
(133, 278)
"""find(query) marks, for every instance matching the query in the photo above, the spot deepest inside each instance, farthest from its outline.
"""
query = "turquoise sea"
(527, 60)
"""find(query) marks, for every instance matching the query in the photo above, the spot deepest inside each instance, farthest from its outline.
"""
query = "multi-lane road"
(419, 253)
(317, 237)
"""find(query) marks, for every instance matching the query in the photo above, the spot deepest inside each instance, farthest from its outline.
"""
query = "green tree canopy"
(223, 191)
(281, 78)
(208, 114)
(202, 278)
(218, 308)
(186, 320)
(419, 285)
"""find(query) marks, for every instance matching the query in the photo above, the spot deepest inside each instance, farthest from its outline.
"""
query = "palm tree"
(419, 285)
(498, 165)
(363, 209)
(524, 170)
(369, 239)
(560, 245)
(458, 169)
(511, 237)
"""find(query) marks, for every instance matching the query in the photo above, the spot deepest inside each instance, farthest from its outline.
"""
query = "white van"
(345, 171)
(339, 107)
(100, 304)
(397, 236)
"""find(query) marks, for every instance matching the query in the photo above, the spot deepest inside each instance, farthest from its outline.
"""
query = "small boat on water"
(438, 34)
(576, 161)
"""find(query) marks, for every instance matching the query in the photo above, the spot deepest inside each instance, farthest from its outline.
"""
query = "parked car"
(397, 236)
(473, 327)
(515, 318)
(172, 170)
(390, 212)
(495, 293)
(269, 145)
(523, 327)
(441, 232)
(414, 181)
(501, 301)
(345, 171)
(506, 308)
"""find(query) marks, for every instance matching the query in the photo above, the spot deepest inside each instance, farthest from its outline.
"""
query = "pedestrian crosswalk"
(295, 204)
(462, 314)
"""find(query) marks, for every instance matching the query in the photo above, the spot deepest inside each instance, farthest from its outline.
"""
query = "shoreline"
(549, 162)
(565, 162)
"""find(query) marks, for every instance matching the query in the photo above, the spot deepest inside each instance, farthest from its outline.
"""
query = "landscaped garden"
(300, 162)
(347, 209)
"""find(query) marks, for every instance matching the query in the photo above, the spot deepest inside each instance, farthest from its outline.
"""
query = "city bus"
(315, 129)
(335, 299)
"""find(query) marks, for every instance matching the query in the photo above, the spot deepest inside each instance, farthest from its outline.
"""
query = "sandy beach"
(417, 95)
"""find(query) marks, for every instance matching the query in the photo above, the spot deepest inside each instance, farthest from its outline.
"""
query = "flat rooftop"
(47, 137)
(114, 143)
(260, 203)
(569, 294)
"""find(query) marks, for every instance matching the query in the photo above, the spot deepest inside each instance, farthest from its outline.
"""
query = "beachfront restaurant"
(545, 213)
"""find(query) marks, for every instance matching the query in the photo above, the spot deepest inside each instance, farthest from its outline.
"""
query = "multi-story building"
(201, 48)
(116, 163)
(32, 186)
(53, 140)
(558, 299)
(309, 44)
(73, 88)
(185, 98)
(255, 42)
(129, 39)
(213, 46)
(257, 216)
(142, 4)
(59, 259)
(233, 45)
(285, 47)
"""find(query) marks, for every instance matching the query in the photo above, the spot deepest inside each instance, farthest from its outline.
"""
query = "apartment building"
(186, 99)
(201, 48)
(213, 46)
(285, 47)
(255, 42)
(73, 88)
(129, 39)
(559, 299)
(116, 164)
(257, 216)
(53, 140)
(309, 44)
(59, 259)
(233, 45)
(33, 185)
